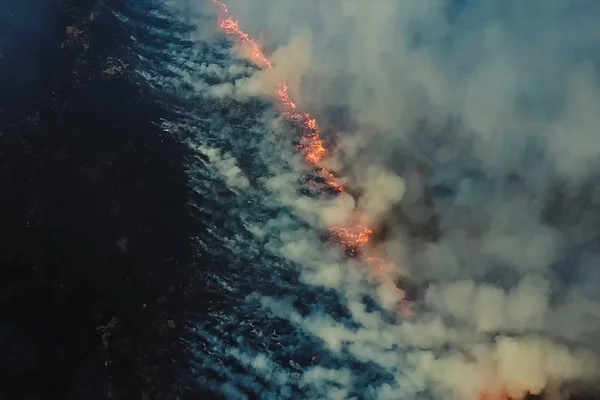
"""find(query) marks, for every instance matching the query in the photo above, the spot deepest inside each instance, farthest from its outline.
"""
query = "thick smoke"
(499, 101)
(226, 166)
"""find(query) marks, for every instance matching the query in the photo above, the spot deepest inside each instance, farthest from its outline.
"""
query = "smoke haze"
(500, 102)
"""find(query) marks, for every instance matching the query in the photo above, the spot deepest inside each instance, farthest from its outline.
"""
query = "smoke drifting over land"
(500, 101)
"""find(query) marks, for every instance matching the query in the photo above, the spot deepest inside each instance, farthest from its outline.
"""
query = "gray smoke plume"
(499, 104)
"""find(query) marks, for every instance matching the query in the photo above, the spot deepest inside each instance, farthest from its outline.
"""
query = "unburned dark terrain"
(95, 251)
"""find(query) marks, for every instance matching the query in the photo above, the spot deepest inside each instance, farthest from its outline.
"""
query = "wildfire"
(230, 26)
(354, 236)
(312, 145)
(497, 396)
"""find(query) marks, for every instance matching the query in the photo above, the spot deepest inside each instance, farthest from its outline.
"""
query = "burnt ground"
(95, 228)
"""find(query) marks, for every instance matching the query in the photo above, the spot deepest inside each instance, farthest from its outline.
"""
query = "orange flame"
(312, 146)
(312, 143)
(357, 235)
(230, 26)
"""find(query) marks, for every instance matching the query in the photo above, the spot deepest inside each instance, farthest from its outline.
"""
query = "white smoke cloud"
(382, 191)
(510, 88)
(226, 166)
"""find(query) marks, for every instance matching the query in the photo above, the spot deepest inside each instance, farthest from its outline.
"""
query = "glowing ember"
(331, 181)
(354, 236)
(312, 143)
(496, 396)
(230, 26)
(357, 235)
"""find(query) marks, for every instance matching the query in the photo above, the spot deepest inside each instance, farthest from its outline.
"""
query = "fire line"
(355, 236)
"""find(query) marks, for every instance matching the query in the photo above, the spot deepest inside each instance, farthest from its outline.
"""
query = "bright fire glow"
(312, 144)
(497, 396)
(355, 236)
